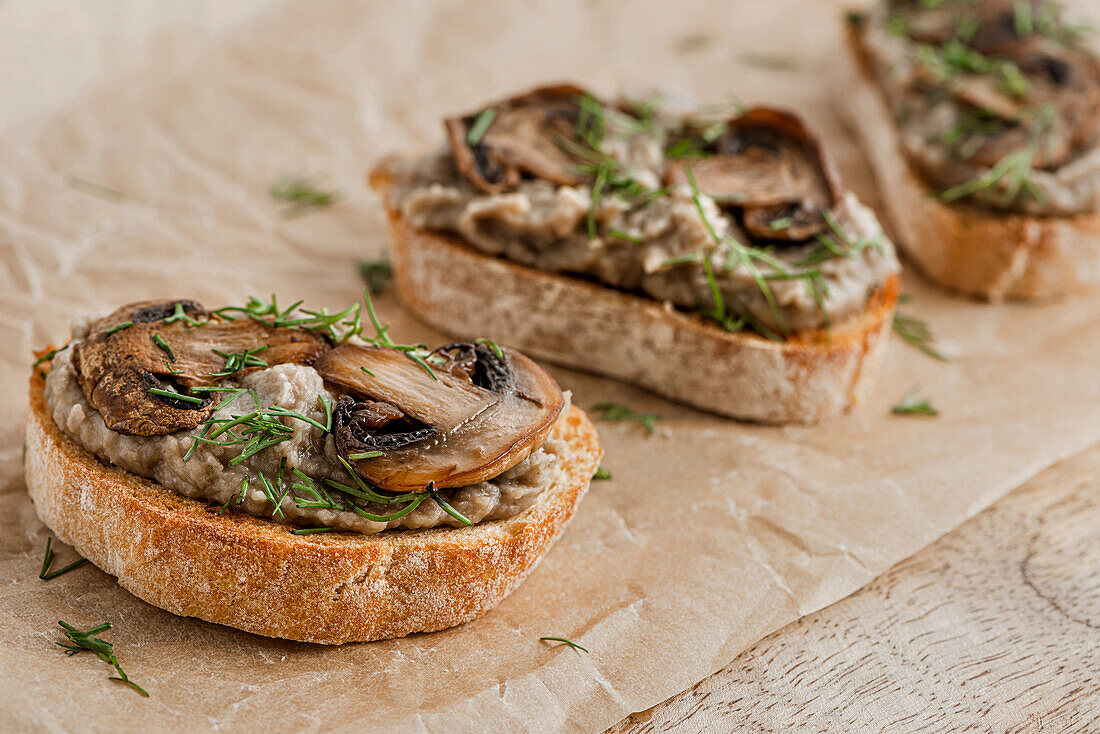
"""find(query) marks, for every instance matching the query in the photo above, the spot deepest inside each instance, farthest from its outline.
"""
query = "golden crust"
(253, 574)
(680, 356)
(990, 255)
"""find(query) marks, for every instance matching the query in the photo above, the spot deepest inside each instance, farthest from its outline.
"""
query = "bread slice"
(986, 254)
(253, 574)
(681, 356)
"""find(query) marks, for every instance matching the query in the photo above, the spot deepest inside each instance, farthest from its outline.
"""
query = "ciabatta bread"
(254, 574)
(683, 357)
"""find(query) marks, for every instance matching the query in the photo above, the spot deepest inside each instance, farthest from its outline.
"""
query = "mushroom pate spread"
(740, 218)
(309, 424)
(997, 101)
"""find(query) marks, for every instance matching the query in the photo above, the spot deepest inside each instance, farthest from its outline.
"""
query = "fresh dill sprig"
(416, 352)
(179, 314)
(910, 405)
(309, 531)
(618, 412)
(301, 194)
(46, 574)
(492, 345)
(954, 57)
(827, 247)
(159, 341)
(339, 326)
(238, 496)
(375, 273)
(447, 506)
(625, 236)
(175, 395)
(86, 640)
(365, 491)
(237, 361)
(969, 133)
(567, 641)
(601, 473)
(609, 176)
(254, 431)
(118, 327)
(917, 332)
(738, 254)
(1014, 169)
(480, 126)
(48, 356)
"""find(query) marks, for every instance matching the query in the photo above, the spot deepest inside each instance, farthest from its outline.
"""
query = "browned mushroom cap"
(1056, 76)
(767, 162)
(524, 136)
(482, 415)
(126, 371)
(1065, 83)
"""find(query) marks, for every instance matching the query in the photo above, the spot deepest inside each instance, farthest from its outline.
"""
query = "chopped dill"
(492, 345)
(567, 641)
(480, 126)
(118, 327)
(910, 405)
(917, 332)
(614, 412)
(86, 640)
(48, 356)
(447, 507)
(301, 195)
(309, 531)
(175, 395)
(179, 314)
(375, 273)
(159, 341)
(624, 236)
(237, 361)
(601, 473)
(46, 574)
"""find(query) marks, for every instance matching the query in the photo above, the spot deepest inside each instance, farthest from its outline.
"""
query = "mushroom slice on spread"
(1052, 75)
(768, 163)
(1061, 84)
(481, 414)
(525, 134)
(132, 374)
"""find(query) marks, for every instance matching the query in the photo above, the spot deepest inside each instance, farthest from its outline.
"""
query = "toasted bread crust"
(991, 255)
(253, 574)
(597, 329)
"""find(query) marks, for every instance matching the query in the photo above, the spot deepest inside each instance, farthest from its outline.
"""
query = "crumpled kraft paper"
(710, 533)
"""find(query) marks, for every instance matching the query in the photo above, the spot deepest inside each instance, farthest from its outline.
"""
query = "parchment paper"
(710, 534)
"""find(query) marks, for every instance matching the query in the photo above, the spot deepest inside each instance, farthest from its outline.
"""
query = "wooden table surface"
(994, 628)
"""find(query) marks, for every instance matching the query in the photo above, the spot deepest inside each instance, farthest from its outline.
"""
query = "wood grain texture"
(994, 628)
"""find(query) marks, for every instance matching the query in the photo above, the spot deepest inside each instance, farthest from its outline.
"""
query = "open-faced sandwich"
(981, 120)
(714, 259)
(279, 471)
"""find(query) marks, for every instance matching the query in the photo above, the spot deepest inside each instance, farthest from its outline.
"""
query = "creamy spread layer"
(743, 218)
(272, 483)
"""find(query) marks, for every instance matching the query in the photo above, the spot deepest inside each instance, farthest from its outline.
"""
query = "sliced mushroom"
(767, 162)
(126, 371)
(1059, 78)
(480, 415)
(526, 134)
